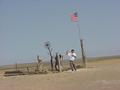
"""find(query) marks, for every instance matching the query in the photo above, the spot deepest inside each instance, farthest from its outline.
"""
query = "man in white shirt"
(72, 55)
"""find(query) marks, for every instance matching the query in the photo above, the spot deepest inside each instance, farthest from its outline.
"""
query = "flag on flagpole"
(74, 17)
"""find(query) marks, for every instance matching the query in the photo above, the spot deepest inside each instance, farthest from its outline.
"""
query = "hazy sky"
(26, 24)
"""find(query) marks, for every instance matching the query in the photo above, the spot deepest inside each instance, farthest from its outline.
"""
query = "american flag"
(74, 17)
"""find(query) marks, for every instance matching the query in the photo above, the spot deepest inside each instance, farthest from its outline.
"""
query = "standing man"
(72, 56)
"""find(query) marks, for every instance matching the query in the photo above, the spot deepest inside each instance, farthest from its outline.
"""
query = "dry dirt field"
(99, 75)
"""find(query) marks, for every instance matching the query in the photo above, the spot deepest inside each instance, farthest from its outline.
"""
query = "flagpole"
(81, 45)
(74, 18)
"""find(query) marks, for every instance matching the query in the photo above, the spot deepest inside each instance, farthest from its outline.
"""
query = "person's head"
(72, 50)
(60, 55)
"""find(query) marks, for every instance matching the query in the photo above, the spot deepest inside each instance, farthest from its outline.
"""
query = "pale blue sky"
(26, 24)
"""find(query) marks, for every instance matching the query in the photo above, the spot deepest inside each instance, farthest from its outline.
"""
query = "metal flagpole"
(81, 45)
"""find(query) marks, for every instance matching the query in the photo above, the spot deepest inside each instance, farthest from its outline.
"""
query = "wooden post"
(37, 66)
(48, 46)
(60, 62)
(59, 66)
(28, 69)
(51, 62)
(83, 54)
(16, 67)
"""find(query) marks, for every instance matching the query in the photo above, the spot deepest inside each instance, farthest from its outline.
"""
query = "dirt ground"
(99, 75)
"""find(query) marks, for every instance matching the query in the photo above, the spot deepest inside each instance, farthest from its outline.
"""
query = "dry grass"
(99, 75)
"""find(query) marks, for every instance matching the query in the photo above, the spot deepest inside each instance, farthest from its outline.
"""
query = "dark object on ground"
(13, 73)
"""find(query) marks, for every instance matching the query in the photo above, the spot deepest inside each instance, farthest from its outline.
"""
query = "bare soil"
(99, 75)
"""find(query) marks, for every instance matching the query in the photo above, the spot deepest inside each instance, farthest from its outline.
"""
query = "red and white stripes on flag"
(74, 17)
